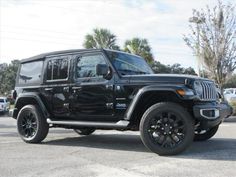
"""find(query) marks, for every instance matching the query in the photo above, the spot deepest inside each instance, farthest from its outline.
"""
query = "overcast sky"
(31, 27)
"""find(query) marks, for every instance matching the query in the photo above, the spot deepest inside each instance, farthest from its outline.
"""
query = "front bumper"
(212, 114)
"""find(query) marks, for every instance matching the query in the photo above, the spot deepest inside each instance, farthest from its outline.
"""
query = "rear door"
(57, 85)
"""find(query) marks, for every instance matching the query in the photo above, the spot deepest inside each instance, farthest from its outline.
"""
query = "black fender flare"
(157, 88)
(33, 96)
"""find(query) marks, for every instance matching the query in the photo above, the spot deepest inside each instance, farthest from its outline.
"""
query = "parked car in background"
(4, 105)
(230, 94)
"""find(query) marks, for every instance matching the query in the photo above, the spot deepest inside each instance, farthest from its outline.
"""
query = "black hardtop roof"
(43, 55)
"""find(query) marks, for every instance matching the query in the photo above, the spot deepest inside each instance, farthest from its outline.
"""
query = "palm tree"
(139, 47)
(100, 38)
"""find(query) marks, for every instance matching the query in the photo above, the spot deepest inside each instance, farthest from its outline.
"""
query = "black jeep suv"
(94, 89)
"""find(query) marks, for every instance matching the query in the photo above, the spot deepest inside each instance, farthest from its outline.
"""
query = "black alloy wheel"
(28, 125)
(166, 128)
(31, 124)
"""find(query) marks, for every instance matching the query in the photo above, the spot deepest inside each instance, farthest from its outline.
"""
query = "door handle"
(76, 88)
(48, 89)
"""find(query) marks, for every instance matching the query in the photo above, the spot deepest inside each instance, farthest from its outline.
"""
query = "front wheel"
(31, 124)
(205, 134)
(167, 128)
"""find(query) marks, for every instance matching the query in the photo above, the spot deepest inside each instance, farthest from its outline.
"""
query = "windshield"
(127, 64)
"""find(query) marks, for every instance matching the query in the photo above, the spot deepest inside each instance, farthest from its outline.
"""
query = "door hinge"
(109, 87)
(66, 105)
(66, 89)
(109, 105)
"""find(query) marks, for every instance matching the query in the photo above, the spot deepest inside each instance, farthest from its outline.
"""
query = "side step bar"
(119, 124)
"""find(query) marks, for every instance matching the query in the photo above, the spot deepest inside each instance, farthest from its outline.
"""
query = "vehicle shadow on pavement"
(214, 149)
(104, 141)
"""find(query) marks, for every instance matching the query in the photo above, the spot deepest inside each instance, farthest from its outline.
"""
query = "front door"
(92, 95)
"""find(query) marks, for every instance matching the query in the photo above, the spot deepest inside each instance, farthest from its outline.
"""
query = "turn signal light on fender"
(181, 92)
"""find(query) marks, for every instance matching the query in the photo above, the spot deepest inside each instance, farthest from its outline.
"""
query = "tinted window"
(1, 100)
(57, 69)
(30, 72)
(86, 65)
(127, 64)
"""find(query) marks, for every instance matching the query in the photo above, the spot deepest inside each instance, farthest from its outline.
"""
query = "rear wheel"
(31, 124)
(166, 128)
(84, 131)
(204, 135)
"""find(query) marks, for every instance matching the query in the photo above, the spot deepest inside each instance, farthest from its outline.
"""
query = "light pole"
(198, 21)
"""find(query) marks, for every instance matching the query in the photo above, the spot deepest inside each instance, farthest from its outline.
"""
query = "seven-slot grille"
(209, 91)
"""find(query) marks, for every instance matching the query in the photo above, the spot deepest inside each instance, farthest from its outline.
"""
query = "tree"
(158, 67)
(175, 68)
(100, 38)
(189, 71)
(8, 77)
(212, 39)
(139, 47)
(231, 83)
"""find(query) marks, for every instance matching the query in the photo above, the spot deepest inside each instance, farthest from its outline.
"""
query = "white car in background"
(230, 94)
(4, 105)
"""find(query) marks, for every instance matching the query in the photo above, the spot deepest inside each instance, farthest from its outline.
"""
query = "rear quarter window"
(30, 73)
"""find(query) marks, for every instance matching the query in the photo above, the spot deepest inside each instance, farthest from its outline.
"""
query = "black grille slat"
(212, 94)
(209, 91)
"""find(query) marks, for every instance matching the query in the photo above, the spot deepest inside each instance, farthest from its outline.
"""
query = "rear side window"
(57, 69)
(30, 73)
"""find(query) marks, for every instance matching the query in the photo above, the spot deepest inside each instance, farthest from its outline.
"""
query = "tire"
(85, 131)
(167, 128)
(31, 124)
(203, 136)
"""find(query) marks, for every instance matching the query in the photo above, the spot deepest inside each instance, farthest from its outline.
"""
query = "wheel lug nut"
(169, 132)
(162, 128)
(166, 125)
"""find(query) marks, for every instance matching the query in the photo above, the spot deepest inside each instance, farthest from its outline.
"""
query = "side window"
(57, 69)
(30, 73)
(86, 65)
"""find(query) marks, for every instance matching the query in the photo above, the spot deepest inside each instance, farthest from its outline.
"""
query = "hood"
(164, 78)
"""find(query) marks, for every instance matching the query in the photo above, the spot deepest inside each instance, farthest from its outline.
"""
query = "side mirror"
(102, 69)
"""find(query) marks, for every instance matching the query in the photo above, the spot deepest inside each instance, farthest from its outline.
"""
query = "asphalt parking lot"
(112, 154)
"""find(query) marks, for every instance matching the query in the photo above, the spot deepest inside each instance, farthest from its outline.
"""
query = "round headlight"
(198, 88)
